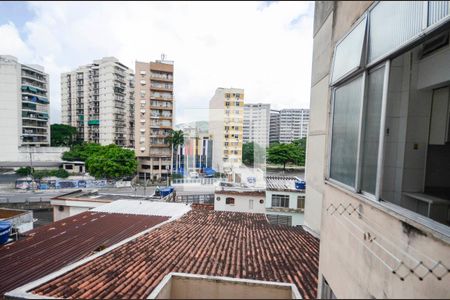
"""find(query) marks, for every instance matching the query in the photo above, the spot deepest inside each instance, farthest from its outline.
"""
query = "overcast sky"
(263, 47)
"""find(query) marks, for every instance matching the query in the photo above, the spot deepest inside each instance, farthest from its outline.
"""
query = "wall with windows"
(368, 126)
(241, 202)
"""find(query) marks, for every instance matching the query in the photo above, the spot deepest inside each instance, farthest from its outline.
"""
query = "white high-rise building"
(226, 120)
(293, 124)
(256, 124)
(24, 107)
(98, 99)
(274, 128)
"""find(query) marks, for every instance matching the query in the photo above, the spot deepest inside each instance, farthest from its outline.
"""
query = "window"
(280, 200)
(392, 24)
(327, 292)
(229, 200)
(344, 136)
(155, 167)
(349, 52)
(301, 202)
(371, 135)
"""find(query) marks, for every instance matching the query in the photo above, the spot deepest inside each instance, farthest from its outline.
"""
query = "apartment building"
(256, 124)
(226, 121)
(154, 118)
(378, 153)
(24, 113)
(195, 154)
(274, 127)
(98, 99)
(293, 124)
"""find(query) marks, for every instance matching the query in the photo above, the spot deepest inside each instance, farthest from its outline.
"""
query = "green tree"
(285, 153)
(175, 139)
(248, 150)
(112, 162)
(24, 171)
(82, 152)
(63, 135)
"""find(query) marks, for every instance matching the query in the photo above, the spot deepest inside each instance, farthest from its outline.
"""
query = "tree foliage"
(63, 135)
(249, 151)
(112, 162)
(82, 152)
(283, 154)
(26, 171)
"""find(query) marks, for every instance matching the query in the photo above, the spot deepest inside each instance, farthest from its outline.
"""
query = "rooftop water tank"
(5, 229)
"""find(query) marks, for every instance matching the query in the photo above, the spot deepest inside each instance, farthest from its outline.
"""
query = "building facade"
(256, 124)
(293, 124)
(154, 118)
(377, 150)
(24, 115)
(98, 99)
(274, 128)
(226, 121)
(195, 154)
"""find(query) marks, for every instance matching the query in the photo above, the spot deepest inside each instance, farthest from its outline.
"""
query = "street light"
(31, 163)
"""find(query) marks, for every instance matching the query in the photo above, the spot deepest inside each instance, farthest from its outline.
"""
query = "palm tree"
(175, 139)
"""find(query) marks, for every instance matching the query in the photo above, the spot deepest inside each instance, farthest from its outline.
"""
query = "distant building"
(293, 124)
(98, 99)
(154, 118)
(226, 121)
(196, 154)
(256, 124)
(24, 114)
(274, 128)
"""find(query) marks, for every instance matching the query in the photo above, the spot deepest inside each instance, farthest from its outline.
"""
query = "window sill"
(427, 225)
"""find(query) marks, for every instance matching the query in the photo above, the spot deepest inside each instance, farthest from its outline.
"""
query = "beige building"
(226, 121)
(378, 156)
(98, 99)
(154, 118)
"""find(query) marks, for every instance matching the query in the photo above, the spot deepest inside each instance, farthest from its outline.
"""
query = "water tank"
(300, 184)
(5, 229)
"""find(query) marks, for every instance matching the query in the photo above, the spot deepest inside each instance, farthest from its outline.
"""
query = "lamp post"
(31, 164)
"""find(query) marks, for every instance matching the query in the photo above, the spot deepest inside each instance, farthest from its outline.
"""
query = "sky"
(263, 47)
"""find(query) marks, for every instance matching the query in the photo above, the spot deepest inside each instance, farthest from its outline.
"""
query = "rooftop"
(282, 183)
(49, 248)
(204, 242)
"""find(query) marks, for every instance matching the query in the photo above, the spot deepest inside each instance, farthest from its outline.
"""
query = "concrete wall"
(241, 203)
(72, 207)
(355, 267)
(207, 287)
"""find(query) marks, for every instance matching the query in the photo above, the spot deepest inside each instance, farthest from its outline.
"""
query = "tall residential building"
(24, 107)
(226, 121)
(274, 128)
(293, 124)
(378, 152)
(256, 124)
(98, 99)
(154, 118)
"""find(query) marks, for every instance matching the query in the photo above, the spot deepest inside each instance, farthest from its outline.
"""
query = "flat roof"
(204, 242)
(282, 183)
(49, 248)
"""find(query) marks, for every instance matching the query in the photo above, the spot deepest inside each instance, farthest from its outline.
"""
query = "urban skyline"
(281, 22)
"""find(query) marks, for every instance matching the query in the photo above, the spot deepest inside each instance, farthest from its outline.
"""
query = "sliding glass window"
(371, 136)
(344, 141)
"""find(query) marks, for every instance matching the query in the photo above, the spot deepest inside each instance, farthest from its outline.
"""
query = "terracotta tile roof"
(238, 245)
(49, 248)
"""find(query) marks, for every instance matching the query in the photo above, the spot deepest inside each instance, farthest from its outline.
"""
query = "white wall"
(241, 203)
(292, 198)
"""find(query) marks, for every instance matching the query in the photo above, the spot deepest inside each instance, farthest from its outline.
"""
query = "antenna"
(163, 56)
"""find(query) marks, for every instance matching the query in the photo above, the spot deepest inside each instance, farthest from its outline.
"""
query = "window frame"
(280, 200)
(229, 202)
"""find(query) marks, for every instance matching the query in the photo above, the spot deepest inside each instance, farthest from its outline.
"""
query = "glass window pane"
(372, 131)
(349, 52)
(344, 140)
(437, 10)
(392, 24)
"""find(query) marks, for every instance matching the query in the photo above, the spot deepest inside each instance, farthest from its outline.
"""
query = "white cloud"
(265, 49)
